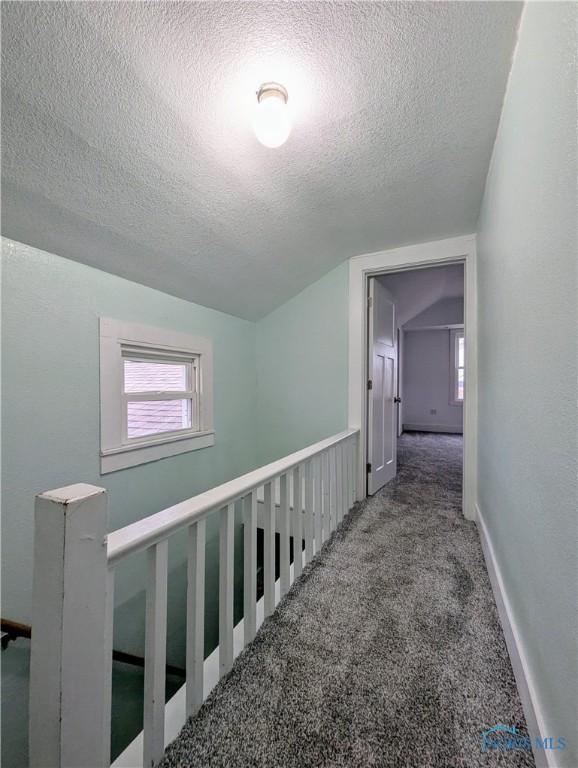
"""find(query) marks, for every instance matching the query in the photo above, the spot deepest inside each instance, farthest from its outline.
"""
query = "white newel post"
(71, 646)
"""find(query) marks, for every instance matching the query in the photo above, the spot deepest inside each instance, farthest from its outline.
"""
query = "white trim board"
(454, 250)
(526, 688)
(444, 428)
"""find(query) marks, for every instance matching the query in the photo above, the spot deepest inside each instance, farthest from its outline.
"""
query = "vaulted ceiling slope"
(416, 290)
(127, 140)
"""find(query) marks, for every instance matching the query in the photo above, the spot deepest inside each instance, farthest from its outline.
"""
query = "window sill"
(125, 456)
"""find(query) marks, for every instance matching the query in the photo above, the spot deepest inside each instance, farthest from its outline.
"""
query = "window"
(457, 367)
(159, 394)
(156, 394)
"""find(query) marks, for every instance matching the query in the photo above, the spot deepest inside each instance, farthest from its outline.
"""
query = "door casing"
(453, 250)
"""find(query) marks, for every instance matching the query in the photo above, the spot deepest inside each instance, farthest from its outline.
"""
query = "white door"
(381, 394)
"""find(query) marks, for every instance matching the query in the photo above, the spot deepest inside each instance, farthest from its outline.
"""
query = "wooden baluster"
(308, 517)
(346, 504)
(285, 534)
(269, 549)
(351, 460)
(155, 655)
(326, 501)
(317, 503)
(337, 487)
(344, 481)
(333, 501)
(108, 645)
(354, 465)
(342, 486)
(350, 472)
(226, 586)
(195, 651)
(250, 567)
(297, 523)
(339, 484)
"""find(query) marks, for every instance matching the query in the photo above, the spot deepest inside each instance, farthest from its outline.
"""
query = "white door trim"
(455, 249)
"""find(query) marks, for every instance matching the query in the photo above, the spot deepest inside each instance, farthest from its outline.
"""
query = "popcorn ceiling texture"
(387, 652)
(127, 140)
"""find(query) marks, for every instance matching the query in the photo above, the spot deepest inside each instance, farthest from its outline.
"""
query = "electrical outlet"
(433, 411)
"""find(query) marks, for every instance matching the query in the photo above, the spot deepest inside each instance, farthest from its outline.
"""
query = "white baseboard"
(434, 428)
(528, 694)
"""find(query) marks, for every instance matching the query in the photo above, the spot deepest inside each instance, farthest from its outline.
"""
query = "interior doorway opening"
(460, 249)
(415, 363)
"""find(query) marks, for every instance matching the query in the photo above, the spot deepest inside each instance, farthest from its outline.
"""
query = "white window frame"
(120, 340)
(455, 335)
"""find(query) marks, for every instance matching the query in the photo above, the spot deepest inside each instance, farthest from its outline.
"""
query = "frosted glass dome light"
(271, 122)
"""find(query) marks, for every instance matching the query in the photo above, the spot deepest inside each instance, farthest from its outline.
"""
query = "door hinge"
(370, 384)
(369, 301)
(368, 468)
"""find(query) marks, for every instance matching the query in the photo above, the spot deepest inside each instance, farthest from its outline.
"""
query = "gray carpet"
(387, 652)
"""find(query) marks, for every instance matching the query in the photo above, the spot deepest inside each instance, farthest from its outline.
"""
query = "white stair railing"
(304, 496)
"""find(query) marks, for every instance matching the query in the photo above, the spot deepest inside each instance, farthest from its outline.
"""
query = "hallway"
(388, 650)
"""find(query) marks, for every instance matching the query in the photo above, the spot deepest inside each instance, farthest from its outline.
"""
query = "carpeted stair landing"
(387, 652)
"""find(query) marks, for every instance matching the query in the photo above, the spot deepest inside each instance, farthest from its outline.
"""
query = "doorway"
(416, 362)
(459, 250)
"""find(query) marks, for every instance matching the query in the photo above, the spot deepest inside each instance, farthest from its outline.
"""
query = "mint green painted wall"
(50, 405)
(50, 418)
(527, 253)
(302, 367)
(290, 393)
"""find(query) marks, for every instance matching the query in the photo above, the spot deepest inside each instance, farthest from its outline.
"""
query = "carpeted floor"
(387, 652)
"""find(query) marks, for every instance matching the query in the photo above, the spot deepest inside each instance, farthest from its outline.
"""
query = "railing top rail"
(154, 528)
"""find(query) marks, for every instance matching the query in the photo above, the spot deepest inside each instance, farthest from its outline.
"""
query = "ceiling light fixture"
(271, 123)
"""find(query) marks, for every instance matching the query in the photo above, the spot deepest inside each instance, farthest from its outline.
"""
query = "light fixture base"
(269, 90)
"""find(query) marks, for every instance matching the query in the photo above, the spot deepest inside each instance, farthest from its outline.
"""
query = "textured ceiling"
(417, 289)
(127, 141)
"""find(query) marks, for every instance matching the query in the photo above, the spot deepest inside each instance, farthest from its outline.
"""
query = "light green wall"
(50, 410)
(527, 255)
(50, 406)
(302, 367)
